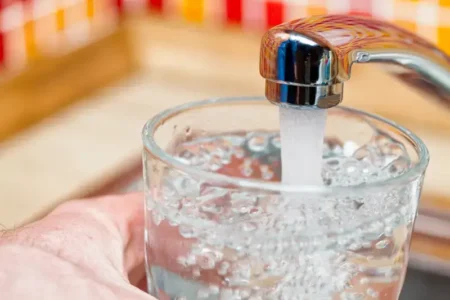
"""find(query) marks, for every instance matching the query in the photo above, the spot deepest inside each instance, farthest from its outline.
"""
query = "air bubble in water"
(388, 231)
(327, 181)
(157, 218)
(239, 152)
(372, 293)
(226, 159)
(226, 294)
(333, 164)
(223, 268)
(266, 172)
(246, 168)
(187, 231)
(276, 142)
(245, 293)
(174, 222)
(214, 289)
(186, 154)
(267, 175)
(196, 272)
(191, 259)
(215, 164)
(255, 211)
(382, 244)
(182, 261)
(366, 244)
(186, 202)
(357, 204)
(203, 293)
(365, 153)
(364, 281)
(211, 208)
(354, 246)
(206, 261)
(211, 193)
(249, 226)
(398, 166)
(350, 166)
(240, 274)
(197, 248)
(352, 296)
(257, 143)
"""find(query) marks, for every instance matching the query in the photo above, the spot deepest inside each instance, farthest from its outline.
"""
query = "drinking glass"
(220, 223)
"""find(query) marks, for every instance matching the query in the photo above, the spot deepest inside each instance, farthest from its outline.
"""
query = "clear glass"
(221, 225)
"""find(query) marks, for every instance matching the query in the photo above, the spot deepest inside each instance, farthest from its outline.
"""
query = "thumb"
(103, 235)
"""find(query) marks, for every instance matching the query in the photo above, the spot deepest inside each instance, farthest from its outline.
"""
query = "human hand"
(84, 249)
(93, 250)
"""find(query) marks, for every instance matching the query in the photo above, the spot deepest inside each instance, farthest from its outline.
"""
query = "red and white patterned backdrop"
(30, 29)
(428, 18)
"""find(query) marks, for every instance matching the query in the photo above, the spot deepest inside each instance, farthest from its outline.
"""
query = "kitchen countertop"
(77, 150)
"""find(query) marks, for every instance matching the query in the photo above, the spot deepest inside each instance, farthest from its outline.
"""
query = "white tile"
(294, 11)
(296, 2)
(427, 14)
(12, 17)
(215, 12)
(383, 9)
(338, 6)
(254, 14)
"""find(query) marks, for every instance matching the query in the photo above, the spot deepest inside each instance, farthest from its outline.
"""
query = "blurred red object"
(361, 7)
(234, 11)
(156, 5)
(274, 11)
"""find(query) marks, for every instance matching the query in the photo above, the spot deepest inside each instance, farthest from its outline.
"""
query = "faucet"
(305, 62)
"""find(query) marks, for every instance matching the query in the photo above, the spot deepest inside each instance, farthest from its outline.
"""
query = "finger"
(142, 284)
(104, 235)
(127, 212)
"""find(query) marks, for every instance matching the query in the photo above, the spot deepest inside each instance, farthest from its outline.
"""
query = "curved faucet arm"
(306, 61)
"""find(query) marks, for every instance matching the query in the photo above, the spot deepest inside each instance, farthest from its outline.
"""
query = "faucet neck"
(319, 96)
(312, 57)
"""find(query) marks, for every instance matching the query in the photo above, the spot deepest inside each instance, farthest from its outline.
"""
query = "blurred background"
(79, 78)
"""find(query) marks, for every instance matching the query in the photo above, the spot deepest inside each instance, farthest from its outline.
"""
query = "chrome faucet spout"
(306, 62)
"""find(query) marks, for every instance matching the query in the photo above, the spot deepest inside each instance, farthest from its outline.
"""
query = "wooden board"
(47, 85)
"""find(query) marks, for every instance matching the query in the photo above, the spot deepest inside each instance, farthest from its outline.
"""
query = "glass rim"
(152, 146)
